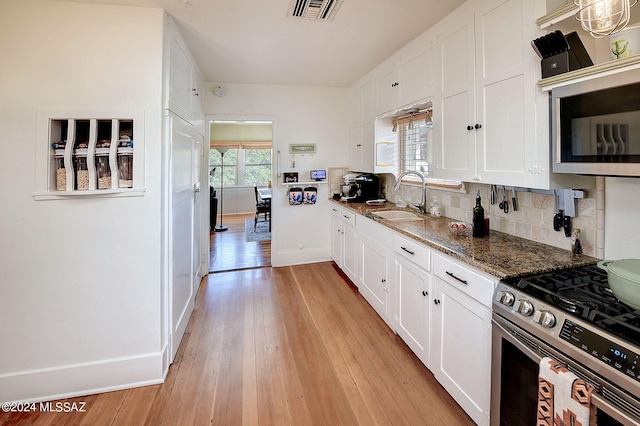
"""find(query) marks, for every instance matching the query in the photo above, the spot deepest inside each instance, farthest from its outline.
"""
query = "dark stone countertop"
(499, 254)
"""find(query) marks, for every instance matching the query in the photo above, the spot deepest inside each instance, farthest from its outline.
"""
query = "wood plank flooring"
(229, 251)
(278, 346)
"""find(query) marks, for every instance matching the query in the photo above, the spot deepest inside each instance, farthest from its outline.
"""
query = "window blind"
(415, 147)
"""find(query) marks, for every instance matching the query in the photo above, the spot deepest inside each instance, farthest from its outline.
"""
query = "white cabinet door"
(454, 110)
(336, 236)
(362, 134)
(387, 90)
(407, 82)
(182, 227)
(415, 79)
(461, 355)
(412, 316)
(374, 275)
(350, 252)
(179, 80)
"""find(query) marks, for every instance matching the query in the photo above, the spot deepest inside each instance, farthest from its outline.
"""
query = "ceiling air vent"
(323, 10)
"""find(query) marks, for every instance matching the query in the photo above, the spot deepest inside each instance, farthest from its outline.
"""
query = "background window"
(230, 167)
(257, 163)
(241, 167)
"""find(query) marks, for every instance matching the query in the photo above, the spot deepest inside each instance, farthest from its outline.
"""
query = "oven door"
(514, 379)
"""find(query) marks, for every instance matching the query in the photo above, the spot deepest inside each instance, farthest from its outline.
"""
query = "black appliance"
(572, 316)
(368, 187)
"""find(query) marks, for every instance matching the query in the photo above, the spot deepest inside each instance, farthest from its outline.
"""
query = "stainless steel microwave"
(595, 126)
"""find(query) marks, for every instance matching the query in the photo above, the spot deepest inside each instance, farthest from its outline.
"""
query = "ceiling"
(255, 42)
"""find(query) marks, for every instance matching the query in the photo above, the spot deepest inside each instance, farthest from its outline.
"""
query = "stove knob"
(545, 319)
(524, 307)
(506, 298)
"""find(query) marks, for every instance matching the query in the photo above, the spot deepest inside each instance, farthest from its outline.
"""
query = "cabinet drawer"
(348, 217)
(336, 211)
(470, 282)
(413, 251)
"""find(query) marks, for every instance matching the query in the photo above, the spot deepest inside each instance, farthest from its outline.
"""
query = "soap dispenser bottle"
(478, 218)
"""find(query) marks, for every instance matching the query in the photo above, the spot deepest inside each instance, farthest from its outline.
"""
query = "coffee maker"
(368, 187)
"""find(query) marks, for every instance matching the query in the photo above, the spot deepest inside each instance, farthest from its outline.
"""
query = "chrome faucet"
(423, 203)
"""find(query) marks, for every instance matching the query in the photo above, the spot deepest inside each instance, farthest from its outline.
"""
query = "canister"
(61, 172)
(82, 171)
(102, 168)
(125, 167)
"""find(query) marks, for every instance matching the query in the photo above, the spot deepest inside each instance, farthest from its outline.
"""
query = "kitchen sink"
(396, 215)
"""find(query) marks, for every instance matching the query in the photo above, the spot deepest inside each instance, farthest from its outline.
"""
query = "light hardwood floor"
(229, 251)
(278, 346)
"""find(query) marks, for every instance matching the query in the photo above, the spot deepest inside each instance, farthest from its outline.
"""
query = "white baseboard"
(82, 379)
(301, 257)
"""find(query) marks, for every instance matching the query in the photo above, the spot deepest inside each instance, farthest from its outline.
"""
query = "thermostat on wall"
(318, 174)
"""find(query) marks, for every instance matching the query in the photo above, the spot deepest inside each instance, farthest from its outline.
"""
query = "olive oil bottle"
(478, 218)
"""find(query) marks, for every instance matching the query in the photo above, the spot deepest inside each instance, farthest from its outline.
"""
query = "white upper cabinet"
(491, 121)
(508, 102)
(487, 102)
(362, 122)
(185, 91)
(454, 108)
(405, 82)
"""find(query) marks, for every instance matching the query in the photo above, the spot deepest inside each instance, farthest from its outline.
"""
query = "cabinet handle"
(436, 302)
(424, 293)
(359, 145)
(478, 126)
(469, 128)
(335, 210)
(346, 217)
(383, 280)
(407, 250)
(459, 279)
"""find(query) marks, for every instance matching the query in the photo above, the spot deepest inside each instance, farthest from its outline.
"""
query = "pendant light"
(601, 18)
(221, 150)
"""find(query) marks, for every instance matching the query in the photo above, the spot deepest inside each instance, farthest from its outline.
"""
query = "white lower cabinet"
(461, 335)
(376, 268)
(344, 242)
(439, 306)
(413, 289)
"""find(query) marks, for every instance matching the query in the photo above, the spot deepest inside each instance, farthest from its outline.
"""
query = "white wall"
(80, 280)
(301, 115)
(622, 211)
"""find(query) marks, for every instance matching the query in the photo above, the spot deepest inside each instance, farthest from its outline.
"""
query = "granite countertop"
(499, 254)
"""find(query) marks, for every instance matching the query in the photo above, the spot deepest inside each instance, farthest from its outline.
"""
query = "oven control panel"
(617, 356)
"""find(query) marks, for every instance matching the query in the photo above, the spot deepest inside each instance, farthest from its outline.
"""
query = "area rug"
(260, 234)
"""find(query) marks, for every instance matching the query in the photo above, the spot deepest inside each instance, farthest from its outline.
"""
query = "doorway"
(240, 173)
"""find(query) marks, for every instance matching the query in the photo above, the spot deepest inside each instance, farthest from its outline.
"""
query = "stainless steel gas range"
(572, 316)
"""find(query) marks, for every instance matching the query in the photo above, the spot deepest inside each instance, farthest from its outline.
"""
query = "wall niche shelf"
(312, 182)
(89, 153)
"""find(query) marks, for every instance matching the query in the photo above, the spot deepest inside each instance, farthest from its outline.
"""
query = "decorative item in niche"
(302, 148)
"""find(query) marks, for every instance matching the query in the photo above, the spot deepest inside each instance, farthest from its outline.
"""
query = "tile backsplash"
(533, 220)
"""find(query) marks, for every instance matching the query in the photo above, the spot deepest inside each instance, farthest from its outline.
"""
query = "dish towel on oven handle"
(563, 398)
